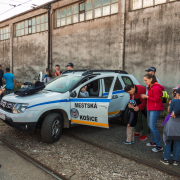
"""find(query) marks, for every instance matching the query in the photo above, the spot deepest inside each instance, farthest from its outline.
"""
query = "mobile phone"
(4, 86)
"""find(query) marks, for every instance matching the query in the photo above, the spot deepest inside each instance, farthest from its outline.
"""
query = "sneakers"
(175, 163)
(143, 138)
(150, 144)
(125, 142)
(136, 134)
(132, 142)
(157, 149)
(165, 161)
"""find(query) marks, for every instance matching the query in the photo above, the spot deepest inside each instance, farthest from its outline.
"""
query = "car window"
(117, 85)
(127, 80)
(63, 84)
(107, 82)
(92, 89)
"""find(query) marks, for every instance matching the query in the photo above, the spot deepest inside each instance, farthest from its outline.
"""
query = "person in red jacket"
(154, 109)
(135, 92)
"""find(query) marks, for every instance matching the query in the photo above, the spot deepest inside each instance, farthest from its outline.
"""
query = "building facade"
(130, 35)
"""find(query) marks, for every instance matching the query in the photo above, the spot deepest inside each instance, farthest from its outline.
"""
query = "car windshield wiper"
(47, 90)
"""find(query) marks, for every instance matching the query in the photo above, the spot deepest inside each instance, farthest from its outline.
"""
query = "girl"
(49, 77)
(154, 109)
(171, 132)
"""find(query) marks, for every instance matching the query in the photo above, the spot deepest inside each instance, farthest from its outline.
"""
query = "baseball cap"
(69, 64)
(151, 69)
(133, 102)
(178, 91)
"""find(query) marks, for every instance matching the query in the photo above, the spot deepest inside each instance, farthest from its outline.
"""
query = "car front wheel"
(51, 129)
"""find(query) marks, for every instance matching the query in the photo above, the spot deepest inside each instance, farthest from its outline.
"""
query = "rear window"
(127, 80)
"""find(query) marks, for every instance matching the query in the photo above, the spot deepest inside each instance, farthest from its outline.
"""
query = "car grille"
(7, 106)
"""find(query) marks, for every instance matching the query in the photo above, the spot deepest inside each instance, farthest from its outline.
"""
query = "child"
(132, 120)
(83, 92)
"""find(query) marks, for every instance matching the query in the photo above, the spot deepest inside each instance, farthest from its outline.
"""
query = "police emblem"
(74, 113)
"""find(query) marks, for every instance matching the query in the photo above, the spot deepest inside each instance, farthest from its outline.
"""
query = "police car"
(60, 106)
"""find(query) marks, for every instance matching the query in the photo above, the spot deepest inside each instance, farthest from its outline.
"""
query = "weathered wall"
(153, 39)
(5, 54)
(93, 44)
(30, 56)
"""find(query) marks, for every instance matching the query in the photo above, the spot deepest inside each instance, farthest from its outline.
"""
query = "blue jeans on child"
(176, 150)
(8, 91)
(152, 117)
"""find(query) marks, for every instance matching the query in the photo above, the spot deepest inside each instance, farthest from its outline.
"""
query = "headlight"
(19, 108)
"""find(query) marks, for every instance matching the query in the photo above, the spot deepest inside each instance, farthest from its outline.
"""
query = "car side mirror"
(73, 94)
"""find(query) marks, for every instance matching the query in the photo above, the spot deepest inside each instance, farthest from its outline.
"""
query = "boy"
(83, 92)
(132, 120)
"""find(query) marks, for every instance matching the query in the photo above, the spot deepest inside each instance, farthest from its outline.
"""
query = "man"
(152, 70)
(135, 92)
(70, 66)
(57, 69)
(9, 80)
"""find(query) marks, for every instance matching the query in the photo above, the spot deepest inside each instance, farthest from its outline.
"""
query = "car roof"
(93, 72)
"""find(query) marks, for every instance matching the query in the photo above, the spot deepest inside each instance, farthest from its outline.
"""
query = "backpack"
(165, 97)
(38, 86)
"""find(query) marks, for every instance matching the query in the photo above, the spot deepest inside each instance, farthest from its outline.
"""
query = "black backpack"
(38, 86)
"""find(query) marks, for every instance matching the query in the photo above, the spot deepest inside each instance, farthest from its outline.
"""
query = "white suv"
(59, 105)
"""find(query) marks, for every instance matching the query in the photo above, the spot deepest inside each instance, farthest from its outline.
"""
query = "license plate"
(2, 116)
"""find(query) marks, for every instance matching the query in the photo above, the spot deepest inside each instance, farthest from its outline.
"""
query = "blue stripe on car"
(70, 100)
(114, 92)
(89, 100)
(50, 102)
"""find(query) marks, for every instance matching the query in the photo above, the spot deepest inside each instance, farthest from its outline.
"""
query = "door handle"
(102, 105)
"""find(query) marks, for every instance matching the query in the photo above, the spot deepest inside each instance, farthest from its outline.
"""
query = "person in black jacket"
(132, 121)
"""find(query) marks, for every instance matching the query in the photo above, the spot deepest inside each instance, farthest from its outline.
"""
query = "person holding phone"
(154, 109)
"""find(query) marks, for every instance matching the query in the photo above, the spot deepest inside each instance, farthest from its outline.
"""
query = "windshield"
(62, 84)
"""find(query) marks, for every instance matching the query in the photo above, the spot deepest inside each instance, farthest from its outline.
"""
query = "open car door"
(92, 110)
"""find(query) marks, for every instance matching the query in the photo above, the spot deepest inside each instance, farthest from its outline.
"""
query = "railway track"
(34, 161)
(61, 177)
(123, 155)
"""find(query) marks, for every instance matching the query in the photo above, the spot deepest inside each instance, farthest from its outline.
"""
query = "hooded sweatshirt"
(154, 102)
(142, 102)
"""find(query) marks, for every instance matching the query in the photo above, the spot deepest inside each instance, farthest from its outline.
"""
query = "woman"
(171, 132)
(154, 109)
(49, 77)
(135, 92)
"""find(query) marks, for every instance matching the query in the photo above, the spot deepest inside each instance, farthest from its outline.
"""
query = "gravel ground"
(77, 160)
(113, 138)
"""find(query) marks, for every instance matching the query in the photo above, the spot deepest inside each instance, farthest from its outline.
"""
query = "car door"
(117, 101)
(93, 110)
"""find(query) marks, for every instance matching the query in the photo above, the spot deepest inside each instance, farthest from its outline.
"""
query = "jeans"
(152, 117)
(176, 150)
(142, 123)
(9, 91)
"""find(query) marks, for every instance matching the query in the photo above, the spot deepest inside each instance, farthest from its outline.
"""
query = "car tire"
(51, 129)
(125, 116)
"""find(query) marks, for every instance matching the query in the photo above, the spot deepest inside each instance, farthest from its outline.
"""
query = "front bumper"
(23, 121)
(29, 126)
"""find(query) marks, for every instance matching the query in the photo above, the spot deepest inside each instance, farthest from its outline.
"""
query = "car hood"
(40, 97)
